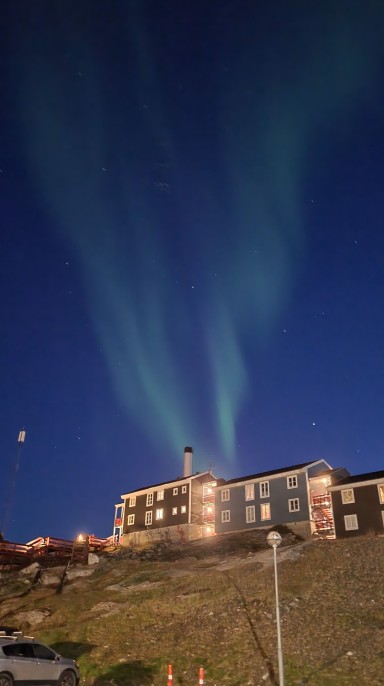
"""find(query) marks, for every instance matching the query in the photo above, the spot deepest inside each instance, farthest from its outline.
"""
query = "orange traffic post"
(170, 676)
(201, 676)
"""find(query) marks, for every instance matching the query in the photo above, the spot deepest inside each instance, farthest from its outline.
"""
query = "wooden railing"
(19, 554)
(13, 553)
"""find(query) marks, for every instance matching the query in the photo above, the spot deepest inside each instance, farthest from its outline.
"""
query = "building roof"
(336, 474)
(273, 472)
(359, 478)
(178, 481)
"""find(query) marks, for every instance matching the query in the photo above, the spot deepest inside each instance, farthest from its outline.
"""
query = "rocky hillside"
(211, 604)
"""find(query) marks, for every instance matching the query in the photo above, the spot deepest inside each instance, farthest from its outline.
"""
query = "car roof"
(14, 638)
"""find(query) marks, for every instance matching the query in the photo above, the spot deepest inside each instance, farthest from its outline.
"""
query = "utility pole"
(11, 487)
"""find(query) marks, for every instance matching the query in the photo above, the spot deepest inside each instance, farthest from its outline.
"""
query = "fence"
(20, 555)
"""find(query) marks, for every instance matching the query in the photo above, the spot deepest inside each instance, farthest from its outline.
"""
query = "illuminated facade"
(296, 496)
(182, 509)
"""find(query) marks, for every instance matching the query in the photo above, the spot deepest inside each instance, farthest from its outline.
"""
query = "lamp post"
(80, 538)
(274, 540)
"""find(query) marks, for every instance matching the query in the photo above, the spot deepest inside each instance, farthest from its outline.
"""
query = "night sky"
(192, 245)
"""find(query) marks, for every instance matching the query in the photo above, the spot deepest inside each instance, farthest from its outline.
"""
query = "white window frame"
(148, 518)
(160, 494)
(225, 516)
(249, 491)
(132, 501)
(149, 499)
(265, 508)
(225, 495)
(292, 481)
(351, 522)
(183, 489)
(175, 491)
(293, 505)
(159, 514)
(174, 510)
(380, 488)
(264, 489)
(131, 519)
(183, 509)
(250, 514)
(347, 496)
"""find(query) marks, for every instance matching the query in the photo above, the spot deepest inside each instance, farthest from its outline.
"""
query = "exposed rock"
(48, 579)
(118, 588)
(105, 609)
(93, 559)
(31, 570)
(32, 617)
(74, 572)
(82, 584)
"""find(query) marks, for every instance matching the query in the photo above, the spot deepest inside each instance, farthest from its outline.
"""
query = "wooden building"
(358, 504)
(182, 509)
(296, 496)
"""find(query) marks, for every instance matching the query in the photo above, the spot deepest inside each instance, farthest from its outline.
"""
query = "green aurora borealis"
(181, 184)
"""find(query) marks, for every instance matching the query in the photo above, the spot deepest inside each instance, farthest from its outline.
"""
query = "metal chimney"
(187, 461)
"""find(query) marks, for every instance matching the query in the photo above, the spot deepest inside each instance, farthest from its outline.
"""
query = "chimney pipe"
(187, 461)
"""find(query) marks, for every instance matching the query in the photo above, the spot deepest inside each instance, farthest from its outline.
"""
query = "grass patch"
(223, 621)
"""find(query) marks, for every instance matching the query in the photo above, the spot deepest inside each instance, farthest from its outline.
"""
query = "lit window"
(250, 514)
(293, 505)
(131, 520)
(350, 522)
(292, 481)
(160, 495)
(149, 499)
(183, 509)
(175, 491)
(132, 501)
(381, 492)
(250, 492)
(226, 516)
(208, 489)
(183, 489)
(347, 496)
(148, 518)
(265, 511)
(225, 495)
(264, 489)
(160, 513)
(174, 510)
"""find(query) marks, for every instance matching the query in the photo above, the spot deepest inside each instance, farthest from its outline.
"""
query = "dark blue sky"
(192, 245)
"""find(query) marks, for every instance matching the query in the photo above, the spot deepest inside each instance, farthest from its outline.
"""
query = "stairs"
(322, 515)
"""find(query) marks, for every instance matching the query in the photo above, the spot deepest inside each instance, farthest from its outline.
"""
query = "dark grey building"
(182, 509)
(358, 504)
(281, 496)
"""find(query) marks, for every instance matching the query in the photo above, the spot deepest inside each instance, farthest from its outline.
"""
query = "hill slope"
(211, 603)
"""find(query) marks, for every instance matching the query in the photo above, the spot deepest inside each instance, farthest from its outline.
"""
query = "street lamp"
(274, 540)
(80, 538)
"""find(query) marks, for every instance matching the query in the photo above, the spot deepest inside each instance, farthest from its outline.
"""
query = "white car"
(26, 661)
